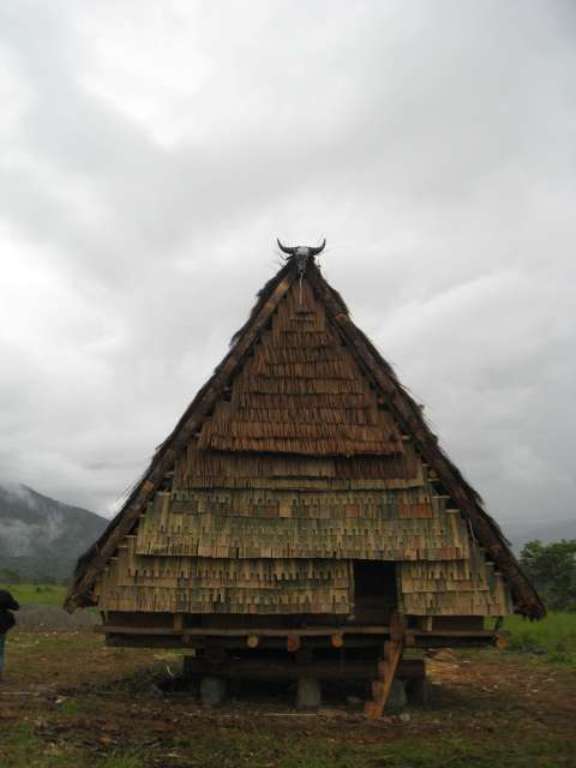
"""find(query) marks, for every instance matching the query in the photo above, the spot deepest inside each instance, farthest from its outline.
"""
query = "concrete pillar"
(309, 694)
(213, 691)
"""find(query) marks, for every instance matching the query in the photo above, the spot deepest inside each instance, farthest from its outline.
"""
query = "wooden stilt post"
(387, 668)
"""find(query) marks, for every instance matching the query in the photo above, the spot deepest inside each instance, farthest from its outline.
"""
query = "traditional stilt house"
(302, 513)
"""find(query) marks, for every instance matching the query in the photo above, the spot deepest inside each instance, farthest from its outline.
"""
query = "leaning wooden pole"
(387, 668)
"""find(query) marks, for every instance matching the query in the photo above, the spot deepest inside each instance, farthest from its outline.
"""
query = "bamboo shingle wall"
(300, 357)
(298, 470)
(208, 585)
(404, 525)
(215, 469)
(456, 588)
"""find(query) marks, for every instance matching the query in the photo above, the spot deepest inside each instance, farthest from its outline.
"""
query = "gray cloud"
(149, 156)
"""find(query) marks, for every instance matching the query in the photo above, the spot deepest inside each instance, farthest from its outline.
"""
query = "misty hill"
(40, 537)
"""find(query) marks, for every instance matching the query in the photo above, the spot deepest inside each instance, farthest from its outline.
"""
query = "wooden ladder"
(387, 668)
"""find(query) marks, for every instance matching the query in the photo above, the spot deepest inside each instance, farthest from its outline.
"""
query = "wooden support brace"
(387, 668)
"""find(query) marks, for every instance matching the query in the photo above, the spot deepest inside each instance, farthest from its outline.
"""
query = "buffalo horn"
(315, 251)
(290, 251)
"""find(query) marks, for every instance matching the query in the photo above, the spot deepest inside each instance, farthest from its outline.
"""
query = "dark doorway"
(375, 591)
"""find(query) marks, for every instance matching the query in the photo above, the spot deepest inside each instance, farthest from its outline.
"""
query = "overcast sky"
(151, 152)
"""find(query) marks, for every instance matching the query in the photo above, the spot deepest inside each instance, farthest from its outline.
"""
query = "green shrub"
(552, 569)
(553, 636)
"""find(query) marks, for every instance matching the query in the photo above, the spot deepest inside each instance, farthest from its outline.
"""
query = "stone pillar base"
(309, 693)
(213, 691)
(397, 697)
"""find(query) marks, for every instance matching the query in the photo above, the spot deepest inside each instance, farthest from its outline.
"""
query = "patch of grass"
(70, 708)
(37, 594)
(21, 748)
(257, 750)
(122, 760)
(553, 637)
(461, 752)
(234, 749)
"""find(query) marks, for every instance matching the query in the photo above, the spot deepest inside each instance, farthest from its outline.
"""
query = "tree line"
(552, 570)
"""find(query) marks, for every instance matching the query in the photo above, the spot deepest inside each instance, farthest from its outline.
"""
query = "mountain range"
(41, 538)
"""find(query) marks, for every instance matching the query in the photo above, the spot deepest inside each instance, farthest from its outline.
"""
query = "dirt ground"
(50, 617)
(68, 700)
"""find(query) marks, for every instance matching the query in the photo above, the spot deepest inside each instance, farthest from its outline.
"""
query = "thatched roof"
(357, 441)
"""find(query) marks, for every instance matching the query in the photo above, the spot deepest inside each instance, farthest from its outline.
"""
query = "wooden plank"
(277, 643)
(310, 632)
(454, 633)
(224, 632)
(387, 668)
(381, 687)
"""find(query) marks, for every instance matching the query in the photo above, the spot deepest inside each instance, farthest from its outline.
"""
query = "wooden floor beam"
(417, 634)
(269, 669)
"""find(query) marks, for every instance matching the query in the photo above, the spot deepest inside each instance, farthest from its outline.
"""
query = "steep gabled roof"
(377, 371)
